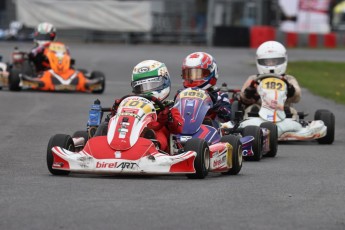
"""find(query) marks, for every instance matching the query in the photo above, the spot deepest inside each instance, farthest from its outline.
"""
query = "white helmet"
(151, 77)
(271, 57)
(45, 32)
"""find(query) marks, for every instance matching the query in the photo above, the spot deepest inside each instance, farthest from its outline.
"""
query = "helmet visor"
(147, 85)
(195, 74)
(271, 61)
(43, 37)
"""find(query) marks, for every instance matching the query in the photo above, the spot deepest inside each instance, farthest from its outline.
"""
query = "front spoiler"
(155, 163)
(291, 130)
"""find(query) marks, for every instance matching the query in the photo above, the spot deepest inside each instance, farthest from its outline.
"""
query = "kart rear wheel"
(255, 131)
(237, 159)
(101, 76)
(318, 112)
(328, 118)
(14, 80)
(273, 138)
(63, 141)
(202, 159)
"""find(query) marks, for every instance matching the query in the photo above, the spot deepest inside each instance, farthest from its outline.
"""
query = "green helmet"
(152, 78)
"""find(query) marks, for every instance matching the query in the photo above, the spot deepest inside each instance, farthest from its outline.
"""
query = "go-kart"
(272, 90)
(194, 104)
(58, 77)
(265, 135)
(124, 149)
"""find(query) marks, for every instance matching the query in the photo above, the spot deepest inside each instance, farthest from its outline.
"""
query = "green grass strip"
(323, 78)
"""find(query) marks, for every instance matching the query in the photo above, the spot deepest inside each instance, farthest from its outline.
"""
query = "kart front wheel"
(237, 158)
(255, 131)
(14, 80)
(81, 133)
(202, 159)
(328, 118)
(63, 141)
(273, 138)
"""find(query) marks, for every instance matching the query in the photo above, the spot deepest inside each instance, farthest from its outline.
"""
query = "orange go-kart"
(60, 76)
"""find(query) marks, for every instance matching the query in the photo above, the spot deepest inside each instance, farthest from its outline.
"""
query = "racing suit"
(251, 99)
(38, 57)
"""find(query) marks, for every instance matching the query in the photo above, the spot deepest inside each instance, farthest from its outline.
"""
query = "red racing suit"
(168, 121)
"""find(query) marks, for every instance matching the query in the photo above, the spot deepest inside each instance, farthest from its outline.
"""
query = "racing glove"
(115, 106)
(290, 90)
(172, 118)
(175, 121)
(162, 120)
(224, 113)
(250, 91)
(162, 117)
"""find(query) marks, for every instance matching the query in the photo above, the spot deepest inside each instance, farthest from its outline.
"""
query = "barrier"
(330, 40)
(261, 34)
(293, 40)
(312, 40)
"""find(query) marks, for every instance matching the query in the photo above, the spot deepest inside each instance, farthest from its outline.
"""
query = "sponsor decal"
(143, 69)
(117, 154)
(125, 124)
(219, 162)
(113, 165)
(190, 103)
(185, 138)
(247, 152)
(140, 82)
(30, 84)
(65, 87)
(270, 117)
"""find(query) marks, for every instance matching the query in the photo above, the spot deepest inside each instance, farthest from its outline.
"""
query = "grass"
(323, 78)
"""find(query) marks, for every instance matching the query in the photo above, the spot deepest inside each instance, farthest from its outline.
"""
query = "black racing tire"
(81, 133)
(255, 131)
(237, 158)
(273, 138)
(329, 119)
(202, 159)
(318, 113)
(61, 140)
(98, 75)
(14, 80)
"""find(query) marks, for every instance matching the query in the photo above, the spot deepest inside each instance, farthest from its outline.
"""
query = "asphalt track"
(302, 188)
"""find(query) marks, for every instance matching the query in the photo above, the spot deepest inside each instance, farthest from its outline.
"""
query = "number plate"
(273, 84)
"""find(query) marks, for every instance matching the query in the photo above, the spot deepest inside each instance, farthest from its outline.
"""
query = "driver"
(199, 69)
(271, 57)
(44, 34)
(152, 78)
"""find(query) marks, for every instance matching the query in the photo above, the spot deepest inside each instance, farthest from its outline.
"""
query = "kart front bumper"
(154, 163)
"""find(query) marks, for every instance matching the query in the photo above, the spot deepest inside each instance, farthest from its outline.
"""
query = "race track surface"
(302, 188)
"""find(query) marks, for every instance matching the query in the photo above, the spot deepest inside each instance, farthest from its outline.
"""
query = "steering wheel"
(148, 97)
(260, 77)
